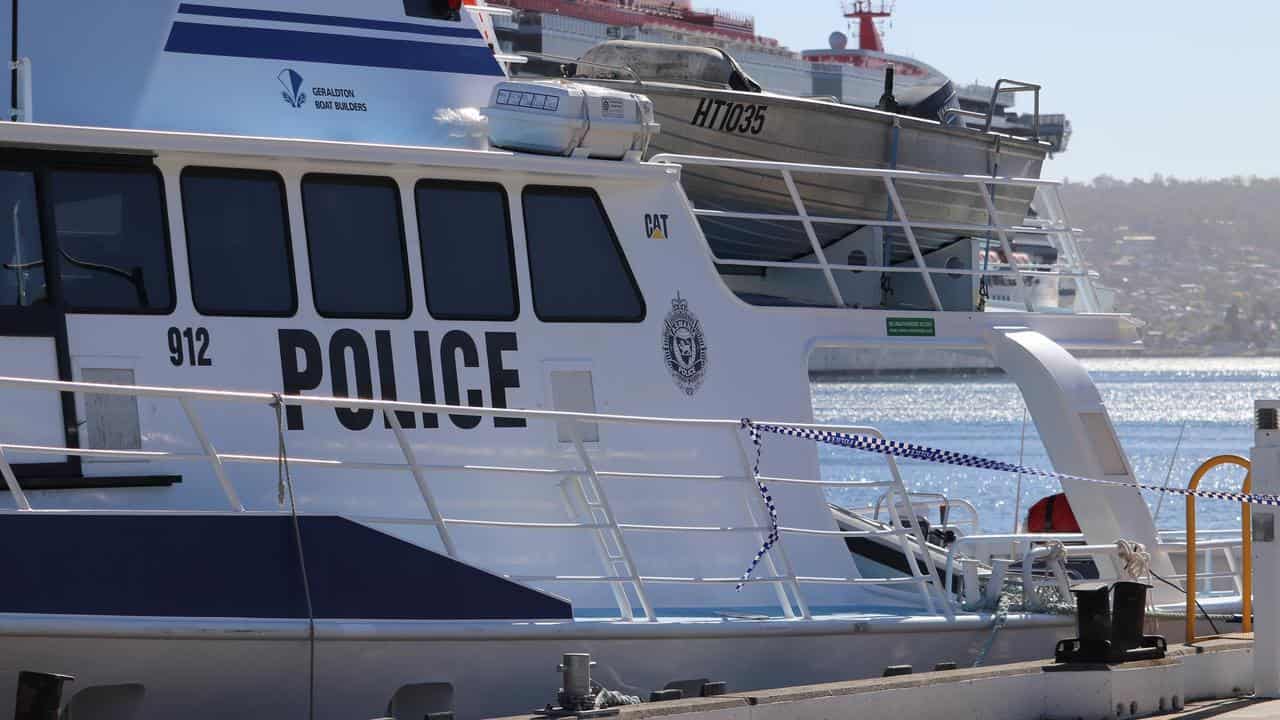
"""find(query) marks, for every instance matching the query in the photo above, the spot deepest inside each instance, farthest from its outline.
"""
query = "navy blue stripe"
(272, 44)
(244, 566)
(335, 21)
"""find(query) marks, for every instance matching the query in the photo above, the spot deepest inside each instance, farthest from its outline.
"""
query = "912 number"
(189, 346)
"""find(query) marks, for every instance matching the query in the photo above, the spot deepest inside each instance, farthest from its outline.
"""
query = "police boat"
(342, 376)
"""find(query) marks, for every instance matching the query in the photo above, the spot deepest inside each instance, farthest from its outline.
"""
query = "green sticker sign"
(909, 327)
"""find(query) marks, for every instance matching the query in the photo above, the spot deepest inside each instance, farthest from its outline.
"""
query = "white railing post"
(821, 256)
(11, 481)
(929, 584)
(420, 478)
(900, 503)
(905, 223)
(612, 520)
(602, 547)
(1265, 459)
(216, 462)
(1067, 239)
(753, 499)
(25, 110)
(994, 220)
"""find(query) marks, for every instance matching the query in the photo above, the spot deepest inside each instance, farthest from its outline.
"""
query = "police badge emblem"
(684, 346)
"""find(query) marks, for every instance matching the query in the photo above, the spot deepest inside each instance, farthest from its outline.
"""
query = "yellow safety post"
(1246, 542)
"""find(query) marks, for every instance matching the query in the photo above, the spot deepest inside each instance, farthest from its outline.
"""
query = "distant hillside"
(1198, 260)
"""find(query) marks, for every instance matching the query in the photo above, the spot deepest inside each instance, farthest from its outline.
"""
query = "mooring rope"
(285, 490)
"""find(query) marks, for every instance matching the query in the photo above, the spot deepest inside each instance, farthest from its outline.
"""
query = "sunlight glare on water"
(1209, 401)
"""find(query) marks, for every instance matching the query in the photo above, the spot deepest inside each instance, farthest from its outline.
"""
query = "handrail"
(617, 558)
(566, 60)
(1014, 86)
(1246, 544)
(919, 175)
(998, 236)
(941, 501)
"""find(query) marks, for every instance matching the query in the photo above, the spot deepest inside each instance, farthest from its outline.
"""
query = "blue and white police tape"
(911, 451)
(773, 535)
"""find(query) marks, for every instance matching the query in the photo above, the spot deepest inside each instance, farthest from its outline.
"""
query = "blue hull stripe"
(331, 20)
(244, 567)
(270, 44)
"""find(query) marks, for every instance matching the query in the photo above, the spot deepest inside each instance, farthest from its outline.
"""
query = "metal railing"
(999, 551)
(946, 510)
(1004, 85)
(1051, 225)
(1243, 575)
(621, 569)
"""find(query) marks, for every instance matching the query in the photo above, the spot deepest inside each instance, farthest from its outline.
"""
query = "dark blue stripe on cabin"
(272, 44)
(330, 20)
(243, 566)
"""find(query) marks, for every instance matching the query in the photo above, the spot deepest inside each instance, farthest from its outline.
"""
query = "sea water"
(1171, 414)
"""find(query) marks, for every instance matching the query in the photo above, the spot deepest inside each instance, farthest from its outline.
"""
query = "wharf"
(1210, 669)
(1233, 709)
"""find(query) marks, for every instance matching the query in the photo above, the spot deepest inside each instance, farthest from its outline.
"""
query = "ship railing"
(970, 523)
(621, 571)
(999, 551)
(1052, 224)
(967, 521)
(1005, 85)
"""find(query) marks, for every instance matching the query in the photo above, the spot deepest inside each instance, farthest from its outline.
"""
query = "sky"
(1183, 89)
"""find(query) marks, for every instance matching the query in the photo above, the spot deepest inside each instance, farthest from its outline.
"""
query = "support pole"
(1265, 457)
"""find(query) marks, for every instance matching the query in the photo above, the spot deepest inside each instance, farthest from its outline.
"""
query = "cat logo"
(655, 226)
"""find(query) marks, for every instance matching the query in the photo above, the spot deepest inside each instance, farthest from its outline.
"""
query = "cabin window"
(467, 259)
(434, 9)
(22, 279)
(355, 234)
(576, 265)
(111, 234)
(238, 242)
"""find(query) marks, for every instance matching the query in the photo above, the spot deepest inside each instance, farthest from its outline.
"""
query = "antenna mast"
(867, 12)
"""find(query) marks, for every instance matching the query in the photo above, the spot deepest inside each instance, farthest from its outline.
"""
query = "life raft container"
(1052, 514)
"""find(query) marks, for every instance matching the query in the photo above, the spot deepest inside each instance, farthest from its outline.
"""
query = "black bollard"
(1128, 614)
(1093, 620)
(1108, 636)
(39, 695)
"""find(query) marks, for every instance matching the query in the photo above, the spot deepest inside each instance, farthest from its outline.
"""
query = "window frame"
(49, 170)
(586, 191)
(233, 173)
(367, 180)
(43, 215)
(511, 249)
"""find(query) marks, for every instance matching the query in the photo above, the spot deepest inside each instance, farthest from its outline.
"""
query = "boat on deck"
(310, 407)
(707, 105)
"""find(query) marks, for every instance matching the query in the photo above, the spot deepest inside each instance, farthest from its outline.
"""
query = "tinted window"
(356, 239)
(434, 9)
(238, 242)
(576, 265)
(22, 280)
(110, 230)
(465, 231)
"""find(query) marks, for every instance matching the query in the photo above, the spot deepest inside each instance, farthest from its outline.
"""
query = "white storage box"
(558, 117)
